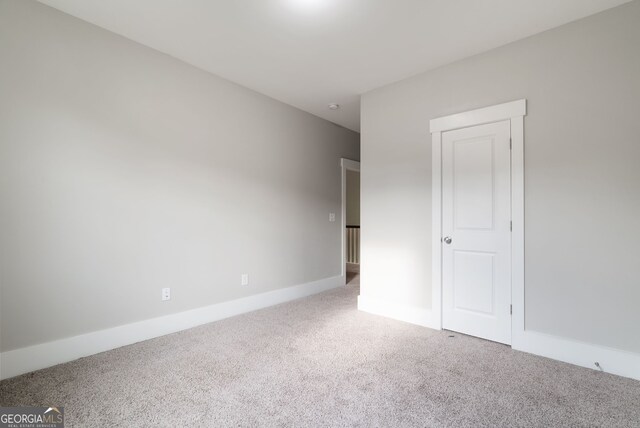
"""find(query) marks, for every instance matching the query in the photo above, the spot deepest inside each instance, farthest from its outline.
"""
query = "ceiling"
(310, 53)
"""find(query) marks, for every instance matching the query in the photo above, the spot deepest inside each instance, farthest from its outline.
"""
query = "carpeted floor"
(320, 362)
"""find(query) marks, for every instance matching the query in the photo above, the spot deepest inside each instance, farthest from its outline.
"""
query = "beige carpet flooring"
(320, 362)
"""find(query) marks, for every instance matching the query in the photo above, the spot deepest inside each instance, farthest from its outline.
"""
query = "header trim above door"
(479, 116)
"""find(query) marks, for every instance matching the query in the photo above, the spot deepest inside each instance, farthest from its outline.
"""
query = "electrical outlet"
(244, 279)
(166, 294)
(332, 216)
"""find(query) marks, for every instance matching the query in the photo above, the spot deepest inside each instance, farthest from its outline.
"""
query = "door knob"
(447, 240)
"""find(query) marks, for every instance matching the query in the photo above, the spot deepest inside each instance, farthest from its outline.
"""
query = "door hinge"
(510, 144)
(510, 309)
(511, 226)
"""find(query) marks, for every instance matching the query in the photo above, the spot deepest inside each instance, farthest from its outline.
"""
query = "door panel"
(473, 181)
(473, 281)
(476, 216)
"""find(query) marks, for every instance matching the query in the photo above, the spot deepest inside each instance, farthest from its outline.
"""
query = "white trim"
(517, 231)
(406, 313)
(436, 219)
(618, 362)
(615, 361)
(480, 116)
(48, 354)
(351, 165)
(514, 112)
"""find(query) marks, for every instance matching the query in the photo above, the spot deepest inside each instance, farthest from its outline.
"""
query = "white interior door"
(476, 230)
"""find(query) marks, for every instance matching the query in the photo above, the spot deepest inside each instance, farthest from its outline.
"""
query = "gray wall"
(123, 170)
(582, 174)
(353, 198)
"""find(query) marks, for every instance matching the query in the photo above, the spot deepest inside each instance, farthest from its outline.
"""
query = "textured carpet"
(320, 362)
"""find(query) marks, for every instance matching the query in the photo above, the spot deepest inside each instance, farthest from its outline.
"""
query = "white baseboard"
(406, 313)
(24, 360)
(616, 361)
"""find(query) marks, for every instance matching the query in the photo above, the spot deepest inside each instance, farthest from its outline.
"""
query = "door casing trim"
(513, 111)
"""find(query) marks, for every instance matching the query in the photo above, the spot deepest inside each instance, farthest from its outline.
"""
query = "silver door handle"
(447, 240)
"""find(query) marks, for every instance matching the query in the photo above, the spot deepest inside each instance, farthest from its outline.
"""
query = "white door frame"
(351, 165)
(514, 112)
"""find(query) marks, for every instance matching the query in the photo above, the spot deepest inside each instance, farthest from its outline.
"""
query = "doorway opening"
(350, 221)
